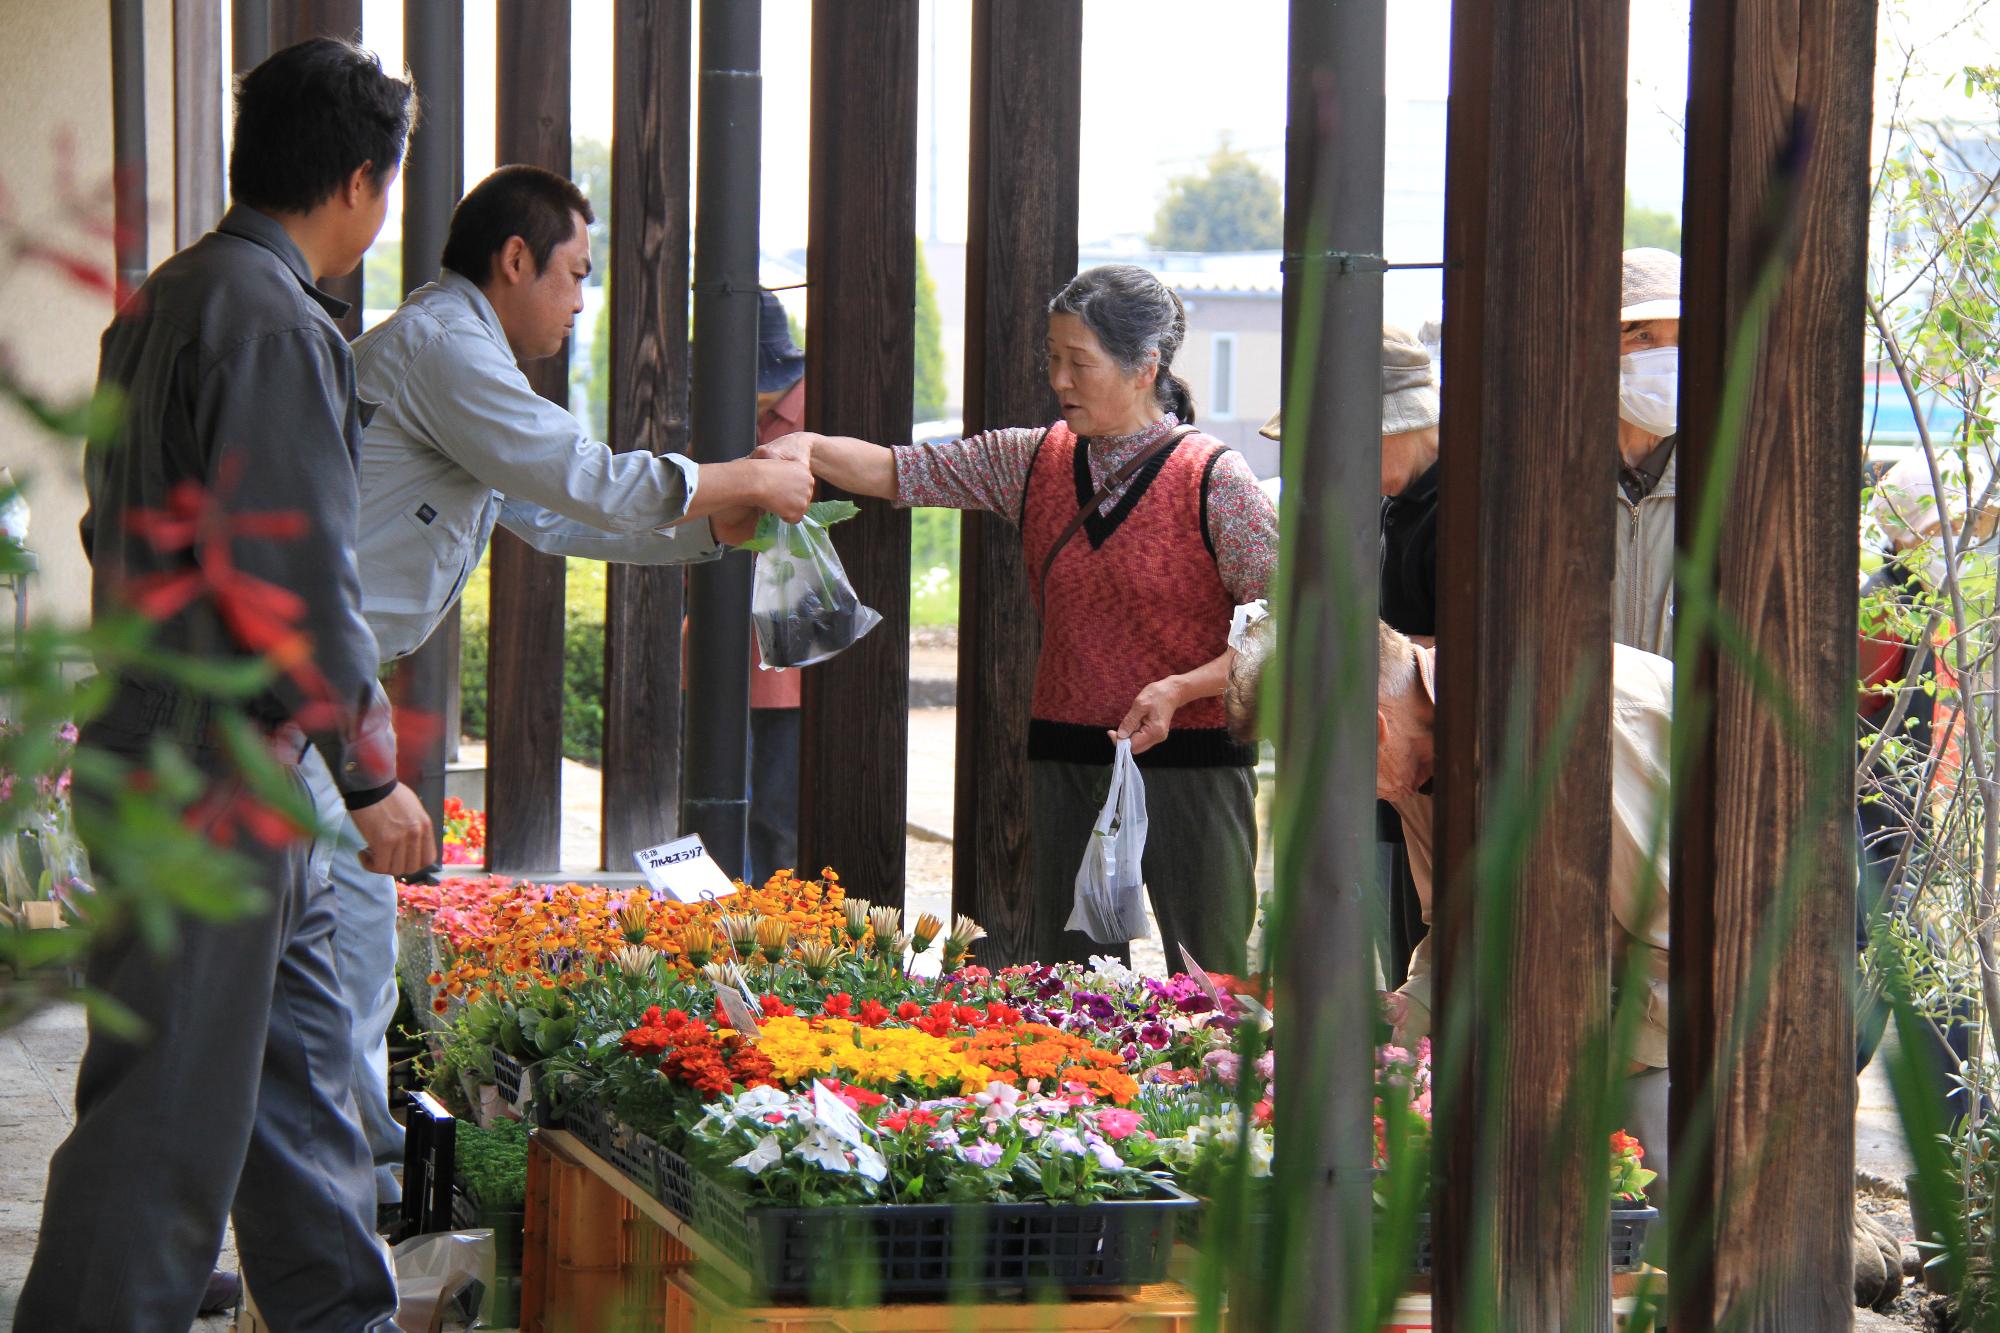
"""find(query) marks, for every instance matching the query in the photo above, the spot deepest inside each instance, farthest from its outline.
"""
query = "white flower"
(997, 1102)
(869, 1163)
(1063, 1140)
(768, 1152)
(825, 1151)
(759, 1098)
(1113, 970)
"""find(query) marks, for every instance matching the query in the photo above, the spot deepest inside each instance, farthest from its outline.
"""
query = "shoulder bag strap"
(1104, 492)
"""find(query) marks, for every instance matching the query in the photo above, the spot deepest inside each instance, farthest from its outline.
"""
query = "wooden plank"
(1318, 933)
(425, 683)
(649, 410)
(860, 372)
(525, 655)
(1763, 1223)
(1027, 60)
(197, 118)
(1532, 230)
(291, 22)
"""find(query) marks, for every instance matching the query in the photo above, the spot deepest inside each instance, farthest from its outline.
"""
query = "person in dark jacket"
(238, 389)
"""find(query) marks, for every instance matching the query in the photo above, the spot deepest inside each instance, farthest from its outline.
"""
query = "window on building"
(1222, 378)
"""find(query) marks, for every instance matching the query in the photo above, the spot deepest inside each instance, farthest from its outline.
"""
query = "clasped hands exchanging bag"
(1111, 884)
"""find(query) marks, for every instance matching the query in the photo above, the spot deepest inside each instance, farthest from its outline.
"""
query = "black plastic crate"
(872, 1252)
(635, 1155)
(507, 1073)
(1628, 1238)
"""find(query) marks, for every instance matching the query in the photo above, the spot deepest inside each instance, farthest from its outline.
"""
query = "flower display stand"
(596, 1252)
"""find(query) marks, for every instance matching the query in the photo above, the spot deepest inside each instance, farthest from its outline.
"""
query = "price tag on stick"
(683, 870)
(736, 1011)
(1202, 978)
(837, 1115)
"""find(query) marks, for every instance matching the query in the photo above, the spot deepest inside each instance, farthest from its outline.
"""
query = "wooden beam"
(860, 372)
(1027, 73)
(424, 684)
(197, 118)
(128, 141)
(1763, 1220)
(292, 22)
(1533, 200)
(649, 410)
(525, 654)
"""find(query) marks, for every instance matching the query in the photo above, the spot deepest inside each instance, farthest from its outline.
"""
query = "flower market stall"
(833, 1104)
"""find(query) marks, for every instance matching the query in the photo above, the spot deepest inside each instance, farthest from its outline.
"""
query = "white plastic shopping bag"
(1111, 885)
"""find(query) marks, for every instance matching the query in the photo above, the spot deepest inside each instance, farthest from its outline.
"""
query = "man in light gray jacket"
(459, 441)
(1642, 600)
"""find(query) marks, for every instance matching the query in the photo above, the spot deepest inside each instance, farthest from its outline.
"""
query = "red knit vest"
(1132, 598)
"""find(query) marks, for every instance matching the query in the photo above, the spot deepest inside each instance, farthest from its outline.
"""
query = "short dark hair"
(309, 117)
(520, 200)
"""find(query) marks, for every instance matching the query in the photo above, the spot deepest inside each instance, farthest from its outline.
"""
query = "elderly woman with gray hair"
(1141, 536)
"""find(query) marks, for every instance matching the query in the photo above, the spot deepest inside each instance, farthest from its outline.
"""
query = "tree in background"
(1231, 204)
(1650, 227)
(931, 394)
(590, 168)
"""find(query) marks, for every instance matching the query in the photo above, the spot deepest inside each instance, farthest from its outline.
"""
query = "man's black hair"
(536, 205)
(311, 115)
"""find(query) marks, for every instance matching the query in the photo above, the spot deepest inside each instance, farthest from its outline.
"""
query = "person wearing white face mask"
(1642, 603)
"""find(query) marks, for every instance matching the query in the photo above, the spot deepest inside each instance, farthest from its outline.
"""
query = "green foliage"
(934, 578)
(382, 276)
(1652, 227)
(492, 1163)
(590, 168)
(582, 664)
(1231, 204)
(931, 393)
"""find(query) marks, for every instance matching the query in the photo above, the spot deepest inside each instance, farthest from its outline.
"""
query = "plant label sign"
(837, 1115)
(1206, 982)
(739, 1014)
(683, 870)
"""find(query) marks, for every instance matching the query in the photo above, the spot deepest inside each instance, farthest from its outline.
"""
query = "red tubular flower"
(908, 1010)
(839, 1005)
(776, 1008)
(873, 1014)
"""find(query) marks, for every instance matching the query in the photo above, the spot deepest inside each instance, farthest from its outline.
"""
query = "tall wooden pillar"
(425, 682)
(860, 370)
(1027, 62)
(1533, 200)
(525, 655)
(292, 22)
(649, 410)
(1763, 856)
(197, 118)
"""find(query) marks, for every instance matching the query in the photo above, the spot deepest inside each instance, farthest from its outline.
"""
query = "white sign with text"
(683, 870)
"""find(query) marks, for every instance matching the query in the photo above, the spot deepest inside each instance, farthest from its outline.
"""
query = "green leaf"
(823, 512)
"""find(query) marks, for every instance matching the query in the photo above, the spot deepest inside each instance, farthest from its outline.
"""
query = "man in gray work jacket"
(238, 388)
(459, 441)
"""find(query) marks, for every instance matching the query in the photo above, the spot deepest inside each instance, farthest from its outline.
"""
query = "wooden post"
(1762, 1220)
(249, 34)
(1027, 62)
(433, 180)
(649, 410)
(1533, 201)
(860, 372)
(292, 22)
(197, 118)
(128, 141)
(525, 653)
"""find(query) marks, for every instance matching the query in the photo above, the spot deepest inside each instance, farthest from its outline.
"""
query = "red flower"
(873, 1014)
(839, 1005)
(898, 1121)
(776, 1008)
(856, 1098)
(1000, 1015)
(908, 1010)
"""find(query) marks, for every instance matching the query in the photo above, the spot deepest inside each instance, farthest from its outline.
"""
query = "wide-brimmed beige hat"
(1409, 387)
(1652, 286)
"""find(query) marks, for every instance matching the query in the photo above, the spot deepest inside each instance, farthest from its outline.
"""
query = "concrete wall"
(55, 99)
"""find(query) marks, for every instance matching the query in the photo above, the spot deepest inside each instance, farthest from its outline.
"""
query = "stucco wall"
(55, 100)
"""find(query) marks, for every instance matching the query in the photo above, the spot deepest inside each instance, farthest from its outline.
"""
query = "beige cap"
(1652, 286)
(1409, 388)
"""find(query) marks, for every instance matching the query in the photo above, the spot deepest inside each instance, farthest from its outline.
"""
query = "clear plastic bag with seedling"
(801, 605)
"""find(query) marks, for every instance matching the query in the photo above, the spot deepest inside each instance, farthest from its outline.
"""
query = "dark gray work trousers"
(235, 1105)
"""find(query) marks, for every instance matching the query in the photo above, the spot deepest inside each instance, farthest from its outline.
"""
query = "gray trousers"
(235, 1106)
(364, 954)
(774, 793)
(1200, 862)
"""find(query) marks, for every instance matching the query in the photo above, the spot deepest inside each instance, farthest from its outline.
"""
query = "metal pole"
(727, 162)
(249, 34)
(1329, 598)
(128, 138)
